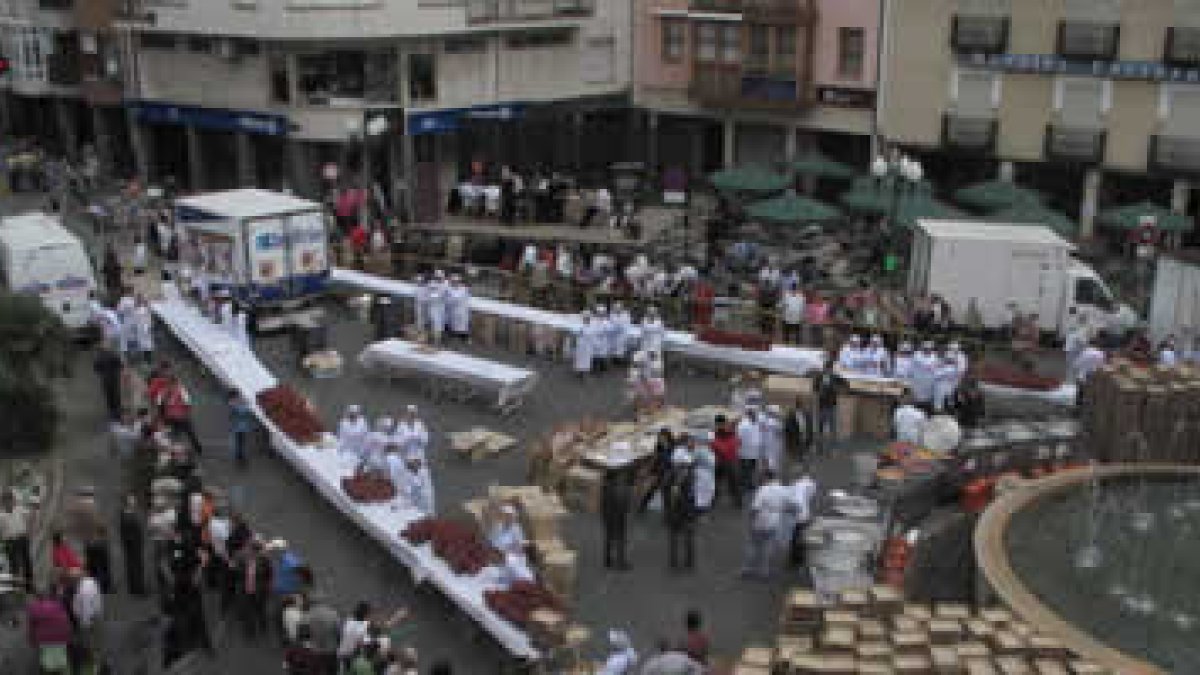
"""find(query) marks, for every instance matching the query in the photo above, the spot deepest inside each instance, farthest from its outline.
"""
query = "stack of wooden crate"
(875, 631)
(1137, 414)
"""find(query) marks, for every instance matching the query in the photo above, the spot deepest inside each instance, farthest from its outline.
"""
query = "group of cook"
(393, 448)
(930, 375)
(608, 335)
(443, 306)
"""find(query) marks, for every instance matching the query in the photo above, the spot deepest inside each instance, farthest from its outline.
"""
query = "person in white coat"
(879, 359)
(1168, 355)
(582, 354)
(945, 381)
(602, 338)
(143, 323)
(241, 320)
(924, 365)
(961, 362)
(226, 313)
(458, 305)
(375, 444)
(421, 303)
(352, 432)
(750, 448)
(771, 428)
(653, 332)
(397, 469)
(126, 309)
(417, 487)
(411, 436)
(437, 307)
(908, 422)
(506, 534)
(622, 660)
(850, 355)
(1089, 360)
(620, 326)
(796, 516)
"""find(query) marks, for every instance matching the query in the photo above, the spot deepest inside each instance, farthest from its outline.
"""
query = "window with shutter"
(1082, 102)
(974, 93)
(1184, 118)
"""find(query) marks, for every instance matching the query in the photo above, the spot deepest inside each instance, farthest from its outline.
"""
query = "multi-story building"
(225, 92)
(737, 81)
(1098, 100)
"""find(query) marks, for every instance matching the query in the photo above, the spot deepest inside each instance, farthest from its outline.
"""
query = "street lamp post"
(903, 173)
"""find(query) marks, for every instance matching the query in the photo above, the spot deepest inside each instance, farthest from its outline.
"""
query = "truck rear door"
(307, 252)
(266, 250)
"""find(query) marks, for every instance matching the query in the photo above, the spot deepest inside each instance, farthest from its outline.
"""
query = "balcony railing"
(1175, 154)
(973, 134)
(1075, 144)
(1087, 41)
(1182, 47)
(492, 11)
(979, 34)
(731, 86)
(762, 11)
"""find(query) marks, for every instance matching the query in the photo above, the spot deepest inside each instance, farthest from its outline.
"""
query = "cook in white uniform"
(1088, 362)
(704, 472)
(375, 445)
(241, 322)
(945, 381)
(924, 366)
(623, 659)
(437, 307)
(602, 340)
(458, 305)
(143, 322)
(961, 362)
(417, 487)
(750, 448)
(582, 354)
(653, 331)
(878, 358)
(411, 436)
(771, 427)
(798, 510)
(506, 534)
(1167, 354)
(126, 307)
(621, 325)
(902, 365)
(352, 432)
(850, 355)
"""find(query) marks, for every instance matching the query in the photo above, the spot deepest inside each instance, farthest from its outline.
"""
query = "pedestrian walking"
(50, 631)
(133, 537)
(108, 366)
(615, 510)
(241, 427)
(725, 445)
(766, 513)
(14, 533)
(254, 591)
(174, 404)
(750, 449)
(680, 504)
(660, 468)
(827, 385)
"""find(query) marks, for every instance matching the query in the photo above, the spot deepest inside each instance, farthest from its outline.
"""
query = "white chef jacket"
(909, 421)
(352, 435)
(143, 321)
(923, 374)
(584, 352)
(507, 537)
(422, 299)
(768, 506)
(618, 335)
(653, 334)
(458, 305)
(602, 345)
(771, 428)
(750, 439)
(437, 308)
(412, 438)
(1088, 362)
(418, 490)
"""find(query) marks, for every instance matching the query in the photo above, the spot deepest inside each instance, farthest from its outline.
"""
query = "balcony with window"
(1079, 145)
(1182, 47)
(1175, 154)
(968, 133)
(751, 65)
(521, 11)
(979, 34)
(1086, 41)
(762, 11)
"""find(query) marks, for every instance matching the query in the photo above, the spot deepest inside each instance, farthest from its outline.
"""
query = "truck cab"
(1088, 295)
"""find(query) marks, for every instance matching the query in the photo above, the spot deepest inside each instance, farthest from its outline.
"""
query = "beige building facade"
(1105, 91)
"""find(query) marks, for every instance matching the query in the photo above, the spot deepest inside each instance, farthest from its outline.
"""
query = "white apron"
(144, 324)
(705, 476)
(458, 300)
(923, 378)
(582, 356)
(352, 436)
(437, 311)
(652, 336)
(412, 439)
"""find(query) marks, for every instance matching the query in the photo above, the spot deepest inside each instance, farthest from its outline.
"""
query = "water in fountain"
(1120, 558)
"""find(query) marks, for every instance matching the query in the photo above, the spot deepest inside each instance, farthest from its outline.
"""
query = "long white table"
(779, 359)
(237, 367)
(510, 383)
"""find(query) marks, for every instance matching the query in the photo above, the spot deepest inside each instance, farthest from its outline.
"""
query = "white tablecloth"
(238, 368)
(1064, 395)
(509, 382)
(780, 359)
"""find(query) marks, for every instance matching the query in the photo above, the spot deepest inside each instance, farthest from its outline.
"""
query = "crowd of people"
(393, 449)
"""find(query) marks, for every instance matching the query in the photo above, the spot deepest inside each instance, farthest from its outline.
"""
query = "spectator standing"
(750, 449)
(325, 628)
(175, 405)
(766, 513)
(791, 310)
(133, 537)
(50, 632)
(241, 426)
(254, 590)
(696, 641)
(615, 509)
(680, 504)
(725, 445)
(14, 533)
(826, 387)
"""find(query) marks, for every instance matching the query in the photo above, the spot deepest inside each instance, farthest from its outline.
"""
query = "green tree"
(34, 348)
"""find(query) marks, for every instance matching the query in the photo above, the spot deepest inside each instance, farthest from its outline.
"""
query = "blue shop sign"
(215, 119)
(1052, 64)
(450, 120)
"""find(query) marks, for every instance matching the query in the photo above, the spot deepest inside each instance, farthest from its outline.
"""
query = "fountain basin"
(1131, 604)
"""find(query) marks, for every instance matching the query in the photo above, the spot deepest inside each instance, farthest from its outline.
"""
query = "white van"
(40, 256)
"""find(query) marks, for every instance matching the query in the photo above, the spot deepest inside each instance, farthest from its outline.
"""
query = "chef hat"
(855, 339)
(353, 409)
(906, 346)
(439, 274)
(455, 277)
(954, 346)
(277, 545)
(774, 409)
(619, 639)
(876, 339)
(410, 408)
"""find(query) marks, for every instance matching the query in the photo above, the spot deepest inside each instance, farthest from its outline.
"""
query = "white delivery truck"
(1175, 303)
(269, 250)
(997, 264)
(41, 257)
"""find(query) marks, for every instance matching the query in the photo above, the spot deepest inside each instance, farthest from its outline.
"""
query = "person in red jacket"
(725, 446)
(360, 239)
(175, 406)
(63, 557)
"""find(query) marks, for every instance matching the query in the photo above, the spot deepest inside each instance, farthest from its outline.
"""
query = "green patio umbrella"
(748, 179)
(994, 195)
(1130, 216)
(790, 208)
(813, 163)
(915, 206)
(1036, 214)
(875, 197)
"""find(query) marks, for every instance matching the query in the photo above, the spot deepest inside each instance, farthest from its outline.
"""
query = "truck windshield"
(1089, 292)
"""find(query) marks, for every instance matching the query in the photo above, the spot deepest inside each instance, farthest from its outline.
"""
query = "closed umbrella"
(748, 179)
(994, 195)
(790, 209)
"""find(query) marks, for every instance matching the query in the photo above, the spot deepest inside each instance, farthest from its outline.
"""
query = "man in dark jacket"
(108, 367)
(615, 509)
(253, 576)
(680, 504)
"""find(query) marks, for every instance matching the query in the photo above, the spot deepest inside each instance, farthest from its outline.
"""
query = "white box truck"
(269, 250)
(997, 264)
(1175, 302)
(41, 257)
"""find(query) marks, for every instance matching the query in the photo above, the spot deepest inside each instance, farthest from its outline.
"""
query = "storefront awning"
(212, 119)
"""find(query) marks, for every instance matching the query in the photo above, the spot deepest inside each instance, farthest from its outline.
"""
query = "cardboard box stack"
(480, 443)
(875, 631)
(1135, 414)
